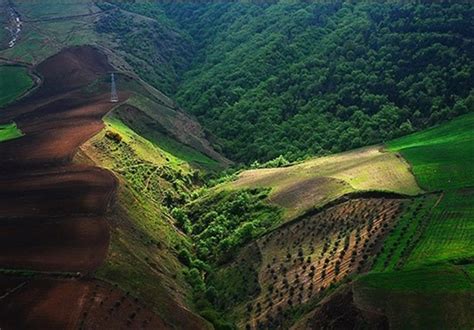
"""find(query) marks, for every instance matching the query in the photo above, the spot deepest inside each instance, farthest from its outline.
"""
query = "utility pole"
(113, 93)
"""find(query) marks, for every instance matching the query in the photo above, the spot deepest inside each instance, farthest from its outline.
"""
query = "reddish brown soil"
(52, 213)
(71, 69)
(58, 192)
(53, 132)
(70, 304)
(54, 244)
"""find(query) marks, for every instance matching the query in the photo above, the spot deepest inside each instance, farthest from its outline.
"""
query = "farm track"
(53, 212)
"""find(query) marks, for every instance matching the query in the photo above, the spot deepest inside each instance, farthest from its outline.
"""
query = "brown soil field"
(71, 69)
(54, 132)
(72, 244)
(58, 192)
(53, 213)
(69, 304)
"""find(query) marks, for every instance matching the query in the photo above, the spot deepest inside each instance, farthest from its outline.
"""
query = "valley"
(267, 166)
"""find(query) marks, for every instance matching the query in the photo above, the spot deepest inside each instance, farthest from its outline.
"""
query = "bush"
(114, 136)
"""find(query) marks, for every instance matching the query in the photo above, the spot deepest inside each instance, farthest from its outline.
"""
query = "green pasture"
(441, 157)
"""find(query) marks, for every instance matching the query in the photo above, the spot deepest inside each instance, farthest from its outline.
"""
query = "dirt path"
(52, 212)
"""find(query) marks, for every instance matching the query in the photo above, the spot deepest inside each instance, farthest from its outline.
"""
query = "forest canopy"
(308, 78)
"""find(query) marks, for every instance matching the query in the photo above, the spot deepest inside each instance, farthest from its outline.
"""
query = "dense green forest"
(297, 79)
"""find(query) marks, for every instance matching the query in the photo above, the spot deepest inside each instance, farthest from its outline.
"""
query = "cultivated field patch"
(449, 235)
(301, 260)
(406, 233)
(321, 180)
(48, 303)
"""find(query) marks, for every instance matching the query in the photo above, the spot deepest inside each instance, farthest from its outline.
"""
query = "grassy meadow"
(441, 157)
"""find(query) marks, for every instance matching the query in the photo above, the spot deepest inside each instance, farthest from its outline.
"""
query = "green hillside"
(299, 78)
(427, 262)
(14, 81)
(441, 157)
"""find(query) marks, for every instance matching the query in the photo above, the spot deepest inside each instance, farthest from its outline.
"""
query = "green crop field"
(9, 132)
(441, 157)
(450, 232)
(435, 297)
(405, 234)
(14, 81)
(431, 245)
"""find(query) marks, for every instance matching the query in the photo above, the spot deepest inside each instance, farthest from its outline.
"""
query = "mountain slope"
(280, 78)
(59, 216)
(423, 275)
(308, 267)
(309, 78)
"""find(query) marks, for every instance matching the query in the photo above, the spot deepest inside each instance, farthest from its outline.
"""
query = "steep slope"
(278, 78)
(415, 246)
(56, 217)
(423, 275)
(289, 78)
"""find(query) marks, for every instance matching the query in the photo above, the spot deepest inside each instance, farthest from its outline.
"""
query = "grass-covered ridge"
(14, 82)
(143, 253)
(317, 181)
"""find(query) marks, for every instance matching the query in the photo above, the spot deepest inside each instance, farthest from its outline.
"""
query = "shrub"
(116, 137)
